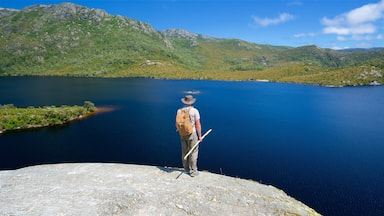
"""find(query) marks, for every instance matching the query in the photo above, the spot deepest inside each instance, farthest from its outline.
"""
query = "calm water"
(323, 146)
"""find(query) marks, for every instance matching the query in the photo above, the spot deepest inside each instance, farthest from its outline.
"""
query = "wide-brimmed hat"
(188, 100)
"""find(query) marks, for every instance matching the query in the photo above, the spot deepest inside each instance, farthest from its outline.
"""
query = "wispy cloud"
(282, 18)
(302, 35)
(295, 3)
(360, 37)
(357, 24)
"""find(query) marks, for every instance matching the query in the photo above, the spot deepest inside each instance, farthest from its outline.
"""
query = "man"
(188, 141)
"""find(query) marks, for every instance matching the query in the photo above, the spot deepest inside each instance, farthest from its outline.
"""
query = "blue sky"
(326, 23)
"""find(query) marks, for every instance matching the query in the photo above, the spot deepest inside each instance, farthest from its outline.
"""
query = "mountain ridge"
(73, 40)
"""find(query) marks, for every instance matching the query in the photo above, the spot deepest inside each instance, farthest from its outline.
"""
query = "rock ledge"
(122, 189)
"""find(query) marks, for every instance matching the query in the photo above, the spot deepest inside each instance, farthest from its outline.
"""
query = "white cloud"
(366, 13)
(341, 38)
(339, 48)
(301, 35)
(333, 22)
(367, 28)
(284, 17)
(358, 37)
(359, 21)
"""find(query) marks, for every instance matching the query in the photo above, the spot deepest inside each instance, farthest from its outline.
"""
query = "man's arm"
(198, 128)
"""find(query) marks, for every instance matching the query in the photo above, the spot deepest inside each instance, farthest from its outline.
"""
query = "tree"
(89, 106)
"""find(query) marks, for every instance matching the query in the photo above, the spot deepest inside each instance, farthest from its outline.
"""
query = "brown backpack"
(183, 122)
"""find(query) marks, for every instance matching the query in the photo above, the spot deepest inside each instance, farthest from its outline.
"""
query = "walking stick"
(197, 143)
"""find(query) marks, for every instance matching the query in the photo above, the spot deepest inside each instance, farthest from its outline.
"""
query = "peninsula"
(14, 118)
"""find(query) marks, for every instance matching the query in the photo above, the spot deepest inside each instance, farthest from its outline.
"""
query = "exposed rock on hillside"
(119, 189)
(182, 33)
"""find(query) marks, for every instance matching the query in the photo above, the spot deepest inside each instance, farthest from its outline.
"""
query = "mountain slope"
(72, 40)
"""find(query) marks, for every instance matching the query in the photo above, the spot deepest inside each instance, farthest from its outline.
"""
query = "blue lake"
(322, 146)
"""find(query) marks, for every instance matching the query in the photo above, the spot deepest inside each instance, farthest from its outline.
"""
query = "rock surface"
(121, 189)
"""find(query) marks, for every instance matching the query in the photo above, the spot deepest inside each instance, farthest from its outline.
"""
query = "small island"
(14, 118)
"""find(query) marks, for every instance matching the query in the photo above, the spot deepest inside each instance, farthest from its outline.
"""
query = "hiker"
(189, 136)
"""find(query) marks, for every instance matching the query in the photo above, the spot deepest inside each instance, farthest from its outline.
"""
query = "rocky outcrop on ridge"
(121, 189)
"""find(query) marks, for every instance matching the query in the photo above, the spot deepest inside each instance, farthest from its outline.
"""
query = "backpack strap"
(189, 115)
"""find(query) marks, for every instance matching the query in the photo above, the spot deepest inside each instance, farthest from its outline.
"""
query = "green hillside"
(72, 40)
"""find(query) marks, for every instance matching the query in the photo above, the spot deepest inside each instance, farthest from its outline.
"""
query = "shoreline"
(210, 79)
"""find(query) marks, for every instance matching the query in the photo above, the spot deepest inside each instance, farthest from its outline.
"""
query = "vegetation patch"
(14, 118)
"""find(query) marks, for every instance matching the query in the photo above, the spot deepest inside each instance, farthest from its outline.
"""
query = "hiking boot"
(194, 174)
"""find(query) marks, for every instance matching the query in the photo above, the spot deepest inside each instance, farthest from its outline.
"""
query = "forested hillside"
(72, 40)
